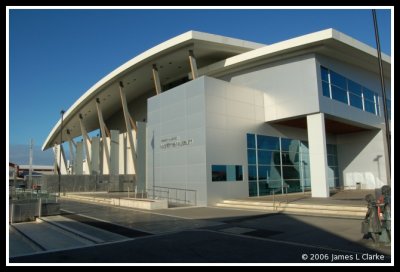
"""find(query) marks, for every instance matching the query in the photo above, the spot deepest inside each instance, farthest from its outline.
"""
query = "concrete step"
(244, 206)
(91, 233)
(297, 208)
(50, 237)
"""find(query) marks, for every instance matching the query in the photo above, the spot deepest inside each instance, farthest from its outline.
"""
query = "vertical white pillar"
(63, 161)
(95, 155)
(87, 143)
(78, 164)
(318, 155)
(141, 151)
(114, 153)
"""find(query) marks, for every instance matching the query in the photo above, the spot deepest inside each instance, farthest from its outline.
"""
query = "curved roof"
(172, 60)
(215, 56)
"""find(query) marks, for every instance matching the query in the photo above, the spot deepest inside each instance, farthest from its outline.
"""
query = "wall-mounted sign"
(174, 142)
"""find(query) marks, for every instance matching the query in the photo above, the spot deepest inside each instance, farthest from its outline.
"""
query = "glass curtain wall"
(340, 88)
(277, 165)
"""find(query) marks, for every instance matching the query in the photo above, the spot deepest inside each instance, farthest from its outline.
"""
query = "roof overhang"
(329, 42)
(172, 60)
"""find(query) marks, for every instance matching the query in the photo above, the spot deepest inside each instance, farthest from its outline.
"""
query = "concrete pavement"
(219, 235)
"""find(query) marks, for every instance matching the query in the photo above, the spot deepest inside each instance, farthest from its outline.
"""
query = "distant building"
(36, 170)
(231, 118)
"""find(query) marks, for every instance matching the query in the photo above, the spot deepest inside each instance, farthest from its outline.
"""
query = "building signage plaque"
(174, 142)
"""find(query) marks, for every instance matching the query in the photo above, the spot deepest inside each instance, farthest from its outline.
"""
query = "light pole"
(59, 165)
(385, 110)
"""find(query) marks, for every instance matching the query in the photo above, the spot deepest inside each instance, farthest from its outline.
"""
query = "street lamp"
(382, 79)
(59, 165)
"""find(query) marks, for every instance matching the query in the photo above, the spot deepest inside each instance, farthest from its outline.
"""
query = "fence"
(174, 195)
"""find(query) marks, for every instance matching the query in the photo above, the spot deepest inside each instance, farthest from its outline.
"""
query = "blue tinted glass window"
(265, 157)
(251, 156)
(290, 145)
(355, 101)
(324, 74)
(389, 108)
(218, 172)
(263, 187)
(267, 142)
(253, 189)
(304, 146)
(251, 141)
(369, 106)
(368, 94)
(339, 94)
(325, 89)
(354, 88)
(252, 172)
(331, 149)
(239, 172)
(263, 172)
(338, 80)
(290, 172)
(332, 160)
(286, 158)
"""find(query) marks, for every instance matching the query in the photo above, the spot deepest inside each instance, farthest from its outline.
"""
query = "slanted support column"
(156, 78)
(193, 65)
(103, 130)
(127, 123)
(60, 165)
(318, 155)
(86, 141)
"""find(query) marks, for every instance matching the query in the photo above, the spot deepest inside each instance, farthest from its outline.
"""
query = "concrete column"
(127, 124)
(193, 64)
(141, 152)
(104, 168)
(156, 78)
(78, 165)
(114, 153)
(71, 156)
(63, 161)
(86, 141)
(103, 133)
(72, 145)
(59, 164)
(95, 156)
(318, 155)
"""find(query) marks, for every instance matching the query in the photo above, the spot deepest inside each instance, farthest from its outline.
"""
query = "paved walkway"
(216, 235)
(346, 197)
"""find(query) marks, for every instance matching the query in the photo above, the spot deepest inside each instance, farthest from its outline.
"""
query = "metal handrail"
(176, 199)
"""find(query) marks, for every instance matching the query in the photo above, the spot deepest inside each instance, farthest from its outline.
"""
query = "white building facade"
(224, 118)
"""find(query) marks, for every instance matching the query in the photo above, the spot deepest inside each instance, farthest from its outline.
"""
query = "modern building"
(227, 118)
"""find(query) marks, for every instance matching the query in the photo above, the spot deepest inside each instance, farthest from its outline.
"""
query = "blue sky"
(57, 55)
